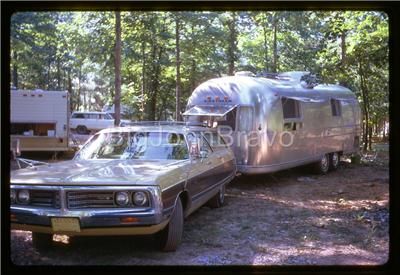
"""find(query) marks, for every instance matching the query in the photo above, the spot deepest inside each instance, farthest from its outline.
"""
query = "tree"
(159, 58)
(178, 69)
(117, 60)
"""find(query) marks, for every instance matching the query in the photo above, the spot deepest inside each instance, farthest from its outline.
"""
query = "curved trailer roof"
(234, 90)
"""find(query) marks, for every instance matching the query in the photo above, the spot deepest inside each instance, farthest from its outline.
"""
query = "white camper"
(280, 121)
(39, 120)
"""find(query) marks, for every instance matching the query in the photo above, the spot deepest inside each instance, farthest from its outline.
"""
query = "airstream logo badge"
(218, 100)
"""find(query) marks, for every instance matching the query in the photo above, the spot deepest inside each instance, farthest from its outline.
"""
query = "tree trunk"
(384, 130)
(193, 75)
(364, 93)
(178, 73)
(71, 99)
(275, 61)
(157, 52)
(343, 48)
(48, 86)
(265, 44)
(141, 116)
(232, 45)
(58, 74)
(79, 89)
(193, 66)
(370, 139)
(117, 60)
(15, 70)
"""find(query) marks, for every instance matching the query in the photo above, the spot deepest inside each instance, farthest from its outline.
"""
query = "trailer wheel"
(81, 130)
(170, 237)
(322, 166)
(42, 241)
(219, 198)
(334, 161)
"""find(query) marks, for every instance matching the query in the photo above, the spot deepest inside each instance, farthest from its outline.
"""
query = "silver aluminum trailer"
(276, 124)
(39, 120)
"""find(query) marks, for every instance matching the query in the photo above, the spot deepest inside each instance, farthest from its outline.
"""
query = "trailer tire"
(170, 237)
(322, 166)
(82, 130)
(42, 241)
(334, 161)
(218, 200)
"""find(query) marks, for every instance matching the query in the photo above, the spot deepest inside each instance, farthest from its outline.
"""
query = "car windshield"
(135, 145)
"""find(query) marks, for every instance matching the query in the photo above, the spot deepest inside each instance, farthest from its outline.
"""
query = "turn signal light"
(129, 220)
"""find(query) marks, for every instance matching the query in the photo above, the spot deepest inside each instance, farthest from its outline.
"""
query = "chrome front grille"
(45, 198)
(90, 199)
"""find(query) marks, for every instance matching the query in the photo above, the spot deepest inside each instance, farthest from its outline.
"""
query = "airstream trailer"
(280, 122)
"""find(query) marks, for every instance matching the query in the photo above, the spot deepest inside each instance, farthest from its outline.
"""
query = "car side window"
(196, 139)
(215, 140)
(204, 146)
(77, 116)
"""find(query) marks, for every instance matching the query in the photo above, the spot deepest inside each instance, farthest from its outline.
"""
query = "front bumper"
(91, 221)
(110, 231)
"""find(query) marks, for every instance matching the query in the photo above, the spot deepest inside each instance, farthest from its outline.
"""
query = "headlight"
(13, 196)
(23, 196)
(122, 198)
(140, 198)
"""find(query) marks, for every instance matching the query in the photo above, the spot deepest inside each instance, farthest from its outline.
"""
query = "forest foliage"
(165, 55)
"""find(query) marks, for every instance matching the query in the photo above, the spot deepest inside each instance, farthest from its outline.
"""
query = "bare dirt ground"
(292, 217)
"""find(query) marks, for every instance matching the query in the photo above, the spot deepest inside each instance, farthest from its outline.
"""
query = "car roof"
(157, 128)
(88, 112)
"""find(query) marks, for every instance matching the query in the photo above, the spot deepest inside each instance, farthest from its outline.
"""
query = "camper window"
(33, 129)
(245, 121)
(230, 120)
(336, 107)
(291, 108)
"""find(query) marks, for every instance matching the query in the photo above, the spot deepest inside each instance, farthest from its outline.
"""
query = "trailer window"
(291, 108)
(245, 118)
(230, 120)
(33, 129)
(336, 107)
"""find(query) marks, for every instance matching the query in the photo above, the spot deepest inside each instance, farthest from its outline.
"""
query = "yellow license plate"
(65, 225)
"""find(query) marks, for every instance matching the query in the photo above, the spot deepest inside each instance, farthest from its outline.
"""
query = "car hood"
(97, 172)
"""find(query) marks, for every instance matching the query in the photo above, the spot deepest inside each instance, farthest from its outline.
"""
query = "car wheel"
(322, 166)
(219, 198)
(334, 161)
(170, 237)
(82, 130)
(41, 241)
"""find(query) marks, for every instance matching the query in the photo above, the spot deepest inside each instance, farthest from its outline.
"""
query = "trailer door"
(293, 142)
(245, 139)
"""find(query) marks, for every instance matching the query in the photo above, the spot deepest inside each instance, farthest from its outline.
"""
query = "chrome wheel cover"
(324, 163)
(335, 159)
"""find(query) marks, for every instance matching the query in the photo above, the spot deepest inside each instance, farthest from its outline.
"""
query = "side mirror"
(203, 154)
(194, 150)
(77, 155)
